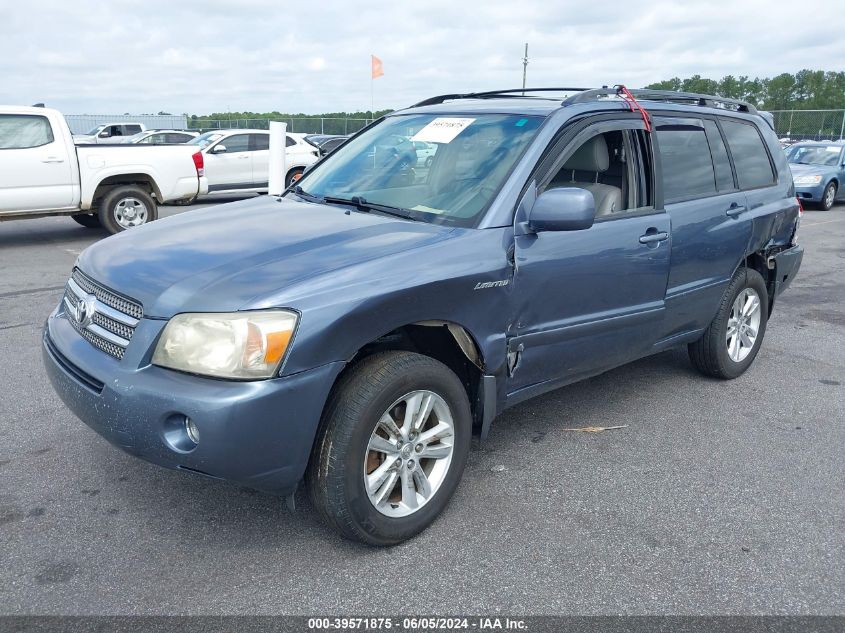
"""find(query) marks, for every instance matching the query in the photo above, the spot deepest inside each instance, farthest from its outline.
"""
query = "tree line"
(328, 123)
(804, 90)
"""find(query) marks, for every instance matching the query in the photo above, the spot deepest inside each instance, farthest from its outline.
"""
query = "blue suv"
(352, 331)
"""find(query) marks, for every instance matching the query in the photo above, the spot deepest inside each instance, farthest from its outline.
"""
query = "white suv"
(238, 160)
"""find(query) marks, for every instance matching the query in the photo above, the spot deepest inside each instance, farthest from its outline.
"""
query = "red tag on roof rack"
(628, 98)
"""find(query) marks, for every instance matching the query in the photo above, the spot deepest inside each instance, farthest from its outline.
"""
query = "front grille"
(111, 299)
(102, 317)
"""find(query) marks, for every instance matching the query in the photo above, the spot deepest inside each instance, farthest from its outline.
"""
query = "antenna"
(524, 68)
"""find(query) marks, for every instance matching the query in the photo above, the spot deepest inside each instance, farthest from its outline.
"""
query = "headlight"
(240, 345)
(807, 180)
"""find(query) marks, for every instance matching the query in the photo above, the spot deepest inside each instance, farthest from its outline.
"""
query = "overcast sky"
(261, 55)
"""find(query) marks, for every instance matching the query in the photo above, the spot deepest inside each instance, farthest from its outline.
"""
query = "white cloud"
(260, 55)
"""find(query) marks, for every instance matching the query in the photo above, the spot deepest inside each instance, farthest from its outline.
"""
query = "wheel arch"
(144, 180)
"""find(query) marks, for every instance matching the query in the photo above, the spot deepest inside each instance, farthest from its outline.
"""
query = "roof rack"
(490, 94)
(710, 101)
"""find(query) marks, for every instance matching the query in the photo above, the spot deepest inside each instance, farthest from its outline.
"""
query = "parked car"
(425, 153)
(109, 133)
(238, 161)
(326, 143)
(353, 331)
(43, 173)
(818, 171)
(161, 137)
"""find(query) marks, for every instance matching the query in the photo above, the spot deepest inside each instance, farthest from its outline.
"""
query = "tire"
(828, 197)
(342, 457)
(293, 175)
(714, 353)
(116, 205)
(88, 220)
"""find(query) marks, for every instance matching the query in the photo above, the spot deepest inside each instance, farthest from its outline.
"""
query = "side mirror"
(104, 134)
(219, 149)
(564, 209)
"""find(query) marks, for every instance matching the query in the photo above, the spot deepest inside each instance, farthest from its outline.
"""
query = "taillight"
(199, 163)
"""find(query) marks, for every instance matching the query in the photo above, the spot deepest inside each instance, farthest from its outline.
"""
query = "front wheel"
(392, 448)
(731, 342)
(127, 207)
(828, 197)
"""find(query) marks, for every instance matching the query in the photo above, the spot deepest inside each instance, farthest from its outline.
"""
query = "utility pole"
(524, 68)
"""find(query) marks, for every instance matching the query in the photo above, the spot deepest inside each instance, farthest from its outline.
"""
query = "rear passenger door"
(710, 222)
(260, 148)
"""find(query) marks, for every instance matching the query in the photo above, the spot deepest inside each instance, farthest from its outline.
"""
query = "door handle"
(53, 159)
(735, 209)
(244, 156)
(651, 238)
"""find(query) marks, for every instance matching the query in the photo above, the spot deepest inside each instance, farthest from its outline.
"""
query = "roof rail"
(664, 95)
(489, 94)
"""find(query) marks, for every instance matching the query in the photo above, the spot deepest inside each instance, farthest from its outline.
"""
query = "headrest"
(591, 156)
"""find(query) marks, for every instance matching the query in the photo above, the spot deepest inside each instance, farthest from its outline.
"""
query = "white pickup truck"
(118, 187)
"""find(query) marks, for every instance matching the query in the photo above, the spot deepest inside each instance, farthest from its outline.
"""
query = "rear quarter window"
(685, 161)
(751, 160)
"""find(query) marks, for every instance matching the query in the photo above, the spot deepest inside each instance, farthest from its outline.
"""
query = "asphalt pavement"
(716, 498)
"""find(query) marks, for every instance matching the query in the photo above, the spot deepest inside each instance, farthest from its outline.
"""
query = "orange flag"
(378, 67)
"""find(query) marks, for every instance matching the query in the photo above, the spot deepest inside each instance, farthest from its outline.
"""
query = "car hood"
(799, 169)
(235, 256)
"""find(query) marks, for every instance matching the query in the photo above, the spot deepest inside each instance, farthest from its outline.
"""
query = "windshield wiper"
(362, 205)
(310, 197)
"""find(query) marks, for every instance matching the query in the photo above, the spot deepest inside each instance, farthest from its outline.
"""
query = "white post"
(278, 164)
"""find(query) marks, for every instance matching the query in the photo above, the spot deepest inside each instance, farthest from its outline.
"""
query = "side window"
(260, 142)
(22, 131)
(289, 142)
(724, 175)
(753, 168)
(236, 143)
(613, 166)
(115, 130)
(129, 130)
(685, 162)
(178, 138)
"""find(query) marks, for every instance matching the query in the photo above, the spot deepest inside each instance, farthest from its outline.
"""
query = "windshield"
(440, 169)
(96, 130)
(204, 140)
(814, 154)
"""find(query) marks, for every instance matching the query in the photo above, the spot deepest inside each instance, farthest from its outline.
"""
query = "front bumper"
(256, 433)
(810, 193)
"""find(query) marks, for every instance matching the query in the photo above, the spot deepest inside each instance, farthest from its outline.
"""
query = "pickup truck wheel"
(731, 342)
(828, 197)
(392, 448)
(127, 207)
(88, 220)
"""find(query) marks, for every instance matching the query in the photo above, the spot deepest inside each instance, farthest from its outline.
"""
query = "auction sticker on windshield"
(442, 130)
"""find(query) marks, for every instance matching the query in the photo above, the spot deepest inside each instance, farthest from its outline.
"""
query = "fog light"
(192, 431)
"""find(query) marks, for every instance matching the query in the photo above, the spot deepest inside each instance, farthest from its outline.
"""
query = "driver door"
(592, 299)
(228, 164)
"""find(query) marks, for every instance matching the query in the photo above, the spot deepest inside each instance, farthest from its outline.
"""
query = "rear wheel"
(88, 220)
(828, 197)
(392, 448)
(731, 342)
(293, 176)
(127, 207)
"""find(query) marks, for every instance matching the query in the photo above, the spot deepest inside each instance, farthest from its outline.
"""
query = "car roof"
(537, 102)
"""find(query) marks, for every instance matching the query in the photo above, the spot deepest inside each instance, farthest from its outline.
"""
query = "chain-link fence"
(301, 125)
(816, 125)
